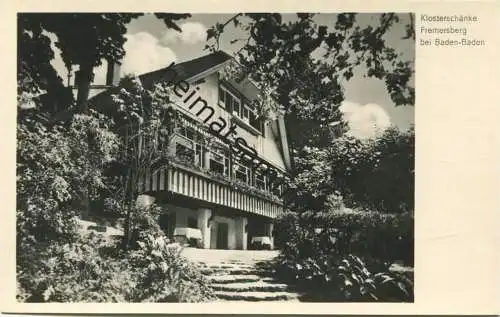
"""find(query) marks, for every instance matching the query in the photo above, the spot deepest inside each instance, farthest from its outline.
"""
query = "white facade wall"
(267, 147)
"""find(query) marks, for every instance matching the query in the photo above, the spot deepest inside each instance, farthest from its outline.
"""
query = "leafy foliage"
(144, 222)
(85, 39)
(143, 120)
(371, 174)
(72, 272)
(165, 276)
(55, 166)
(303, 65)
(346, 256)
(83, 271)
(376, 237)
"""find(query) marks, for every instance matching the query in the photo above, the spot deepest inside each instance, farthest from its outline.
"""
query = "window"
(236, 107)
(240, 108)
(187, 147)
(216, 166)
(184, 152)
(241, 172)
(242, 111)
(198, 156)
(228, 100)
(245, 113)
(187, 132)
(276, 189)
(222, 95)
(255, 122)
(219, 161)
(260, 181)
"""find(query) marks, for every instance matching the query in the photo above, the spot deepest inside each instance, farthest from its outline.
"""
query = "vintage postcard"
(252, 158)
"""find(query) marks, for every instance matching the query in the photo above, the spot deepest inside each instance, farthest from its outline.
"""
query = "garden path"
(241, 275)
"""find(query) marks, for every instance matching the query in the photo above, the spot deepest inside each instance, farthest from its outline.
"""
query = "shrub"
(358, 283)
(332, 278)
(144, 222)
(57, 170)
(72, 272)
(85, 271)
(163, 275)
(346, 256)
(373, 236)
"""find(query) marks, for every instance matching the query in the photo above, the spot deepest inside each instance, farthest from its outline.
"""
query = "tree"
(142, 118)
(390, 184)
(54, 167)
(279, 57)
(302, 66)
(376, 174)
(85, 39)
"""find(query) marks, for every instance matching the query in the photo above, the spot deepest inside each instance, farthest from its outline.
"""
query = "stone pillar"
(241, 233)
(271, 228)
(203, 217)
(269, 232)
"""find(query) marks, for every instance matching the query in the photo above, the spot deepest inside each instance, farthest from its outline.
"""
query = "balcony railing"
(193, 145)
(198, 164)
(182, 180)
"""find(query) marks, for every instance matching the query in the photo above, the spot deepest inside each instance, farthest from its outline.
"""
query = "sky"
(367, 108)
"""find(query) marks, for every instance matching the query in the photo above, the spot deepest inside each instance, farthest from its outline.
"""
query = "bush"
(163, 275)
(330, 278)
(373, 236)
(346, 256)
(57, 172)
(143, 222)
(72, 272)
(85, 271)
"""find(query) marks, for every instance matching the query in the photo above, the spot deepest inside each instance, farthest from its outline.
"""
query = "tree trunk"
(126, 229)
(85, 77)
(129, 204)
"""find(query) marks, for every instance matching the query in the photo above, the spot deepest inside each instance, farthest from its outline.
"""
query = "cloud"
(365, 121)
(143, 53)
(57, 61)
(192, 33)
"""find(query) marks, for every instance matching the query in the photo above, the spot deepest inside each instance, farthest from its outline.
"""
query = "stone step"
(229, 262)
(229, 266)
(250, 287)
(228, 271)
(255, 296)
(225, 279)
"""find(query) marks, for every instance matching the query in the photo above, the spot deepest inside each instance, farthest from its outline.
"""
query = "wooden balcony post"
(206, 158)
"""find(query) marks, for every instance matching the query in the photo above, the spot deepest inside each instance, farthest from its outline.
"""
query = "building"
(211, 194)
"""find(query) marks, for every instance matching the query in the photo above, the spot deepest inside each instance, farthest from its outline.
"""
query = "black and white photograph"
(214, 158)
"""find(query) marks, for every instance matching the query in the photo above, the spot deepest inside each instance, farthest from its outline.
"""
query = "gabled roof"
(185, 70)
(188, 69)
(199, 68)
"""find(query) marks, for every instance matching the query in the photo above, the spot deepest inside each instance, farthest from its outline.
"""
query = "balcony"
(182, 180)
(209, 171)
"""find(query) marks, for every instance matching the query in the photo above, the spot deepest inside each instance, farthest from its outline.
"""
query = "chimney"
(112, 74)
